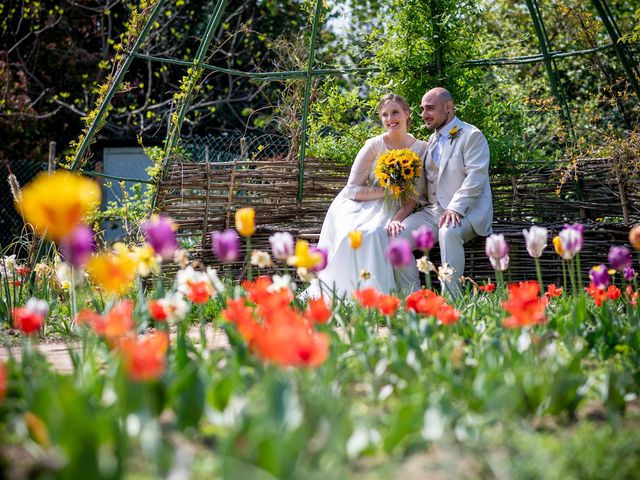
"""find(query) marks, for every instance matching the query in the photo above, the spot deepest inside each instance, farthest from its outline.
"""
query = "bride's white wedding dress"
(342, 274)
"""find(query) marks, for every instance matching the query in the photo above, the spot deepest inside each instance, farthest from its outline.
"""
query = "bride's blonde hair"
(394, 97)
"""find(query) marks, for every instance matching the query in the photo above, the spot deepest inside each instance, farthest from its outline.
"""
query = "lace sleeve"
(358, 186)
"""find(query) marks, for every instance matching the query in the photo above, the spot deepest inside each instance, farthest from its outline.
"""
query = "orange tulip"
(368, 297)
(144, 358)
(524, 305)
(388, 304)
(318, 311)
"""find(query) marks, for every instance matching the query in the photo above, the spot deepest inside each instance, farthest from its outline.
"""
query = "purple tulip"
(325, 258)
(399, 253)
(572, 237)
(620, 258)
(159, 232)
(500, 264)
(78, 246)
(629, 273)
(424, 238)
(599, 276)
(282, 245)
(226, 245)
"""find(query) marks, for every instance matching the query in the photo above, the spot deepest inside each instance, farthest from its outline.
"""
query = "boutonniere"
(453, 133)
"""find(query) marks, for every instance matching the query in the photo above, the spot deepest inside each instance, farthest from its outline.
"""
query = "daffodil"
(54, 203)
(113, 271)
(146, 260)
(303, 258)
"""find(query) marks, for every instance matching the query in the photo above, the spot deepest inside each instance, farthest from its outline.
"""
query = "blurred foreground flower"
(317, 310)
(146, 259)
(245, 221)
(536, 240)
(28, 319)
(260, 259)
(114, 271)
(355, 239)
(368, 297)
(144, 357)
(78, 246)
(619, 258)
(324, 254)
(114, 324)
(195, 285)
(304, 257)
(629, 274)
(282, 245)
(54, 203)
(599, 276)
(226, 245)
(388, 305)
(634, 237)
(159, 232)
(424, 239)
(399, 253)
(172, 308)
(524, 305)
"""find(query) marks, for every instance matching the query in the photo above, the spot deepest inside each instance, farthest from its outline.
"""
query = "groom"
(453, 191)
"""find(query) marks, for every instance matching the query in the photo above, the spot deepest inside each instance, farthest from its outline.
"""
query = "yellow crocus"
(303, 258)
(54, 203)
(557, 244)
(245, 221)
(355, 239)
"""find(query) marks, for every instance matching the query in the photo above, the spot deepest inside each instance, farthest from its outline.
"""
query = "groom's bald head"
(437, 108)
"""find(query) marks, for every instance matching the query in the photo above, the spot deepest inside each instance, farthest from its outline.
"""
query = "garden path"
(57, 353)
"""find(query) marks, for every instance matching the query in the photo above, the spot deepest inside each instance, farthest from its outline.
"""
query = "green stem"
(248, 260)
(539, 274)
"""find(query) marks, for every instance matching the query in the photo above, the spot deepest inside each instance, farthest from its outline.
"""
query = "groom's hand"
(394, 228)
(450, 218)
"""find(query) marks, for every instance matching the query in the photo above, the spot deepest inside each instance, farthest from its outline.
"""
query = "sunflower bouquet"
(396, 171)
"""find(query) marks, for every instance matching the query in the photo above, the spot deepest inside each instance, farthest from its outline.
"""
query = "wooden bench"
(202, 198)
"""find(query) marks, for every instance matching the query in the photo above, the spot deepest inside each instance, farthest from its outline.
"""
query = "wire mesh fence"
(229, 147)
(11, 223)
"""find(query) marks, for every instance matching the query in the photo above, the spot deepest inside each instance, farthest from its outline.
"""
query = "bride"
(361, 205)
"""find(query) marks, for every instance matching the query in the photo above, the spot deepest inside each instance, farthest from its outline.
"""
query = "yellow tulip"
(113, 272)
(303, 258)
(54, 203)
(355, 239)
(245, 221)
(634, 237)
(557, 244)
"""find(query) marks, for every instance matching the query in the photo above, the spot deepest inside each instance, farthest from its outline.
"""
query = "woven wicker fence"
(202, 197)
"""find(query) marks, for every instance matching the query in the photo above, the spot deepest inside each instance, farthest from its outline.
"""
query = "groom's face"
(434, 111)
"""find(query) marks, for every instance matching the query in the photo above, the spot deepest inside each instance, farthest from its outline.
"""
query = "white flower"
(305, 275)
(365, 274)
(500, 264)
(175, 306)
(188, 276)
(282, 245)
(260, 259)
(8, 265)
(212, 274)
(424, 265)
(524, 341)
(280, 282)
(496, 246)
(445, 272)
(536, 240)
(38, 306)
(63, 275)
(181, 257)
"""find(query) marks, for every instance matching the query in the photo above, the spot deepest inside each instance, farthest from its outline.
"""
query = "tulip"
(500, 264)
(634, 237)
(245, 221)
(304, 257)
(78, 246)
(629, 273)
(424, 238)
(619, 258)
(496, 246)
(324, 254)
(399, 252)
(572, 238)
(226, 245)
(355, 239)
(536, 240)
(557, 245)
(599, 276)
(159, 232)
(282, 245)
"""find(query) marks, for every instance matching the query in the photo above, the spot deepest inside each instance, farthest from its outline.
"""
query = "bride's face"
(393, 117)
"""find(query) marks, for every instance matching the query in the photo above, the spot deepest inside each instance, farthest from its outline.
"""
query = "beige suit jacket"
(463, 177)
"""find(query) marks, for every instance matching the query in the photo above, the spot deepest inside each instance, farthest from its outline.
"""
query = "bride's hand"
(394, 228)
